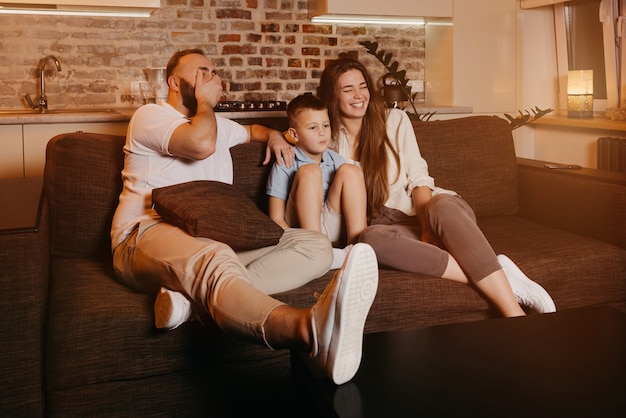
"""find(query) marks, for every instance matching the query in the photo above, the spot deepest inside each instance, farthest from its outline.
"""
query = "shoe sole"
(539, 292)
(359, 283)
(164, 311)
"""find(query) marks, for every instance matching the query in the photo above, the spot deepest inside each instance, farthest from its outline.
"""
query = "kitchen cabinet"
(11, 151)
(36, 139)
(85, 5)
(413, 8)
(23, 147)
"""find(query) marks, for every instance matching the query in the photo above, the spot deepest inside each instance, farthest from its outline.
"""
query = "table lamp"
(580, 94)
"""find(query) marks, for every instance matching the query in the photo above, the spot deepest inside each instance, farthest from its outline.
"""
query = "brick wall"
(264, 49)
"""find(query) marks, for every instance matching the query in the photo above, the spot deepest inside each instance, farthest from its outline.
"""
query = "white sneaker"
(339, 256)
(338, 317)
(527, 292)
(171, 309)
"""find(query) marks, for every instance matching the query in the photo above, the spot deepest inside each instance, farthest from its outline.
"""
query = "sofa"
(77, 343)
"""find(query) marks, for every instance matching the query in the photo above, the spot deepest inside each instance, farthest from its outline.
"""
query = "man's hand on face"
(208, 87)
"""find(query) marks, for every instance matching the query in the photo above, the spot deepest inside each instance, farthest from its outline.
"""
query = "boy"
(318, 192)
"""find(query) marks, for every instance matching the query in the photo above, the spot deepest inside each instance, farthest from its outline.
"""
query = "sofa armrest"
(585, 201)
(24, 261)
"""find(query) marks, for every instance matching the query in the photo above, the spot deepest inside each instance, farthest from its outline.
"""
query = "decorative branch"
(386, 59)
(526, 118)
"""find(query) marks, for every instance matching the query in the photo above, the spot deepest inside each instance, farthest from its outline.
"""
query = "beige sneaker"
(338, 317)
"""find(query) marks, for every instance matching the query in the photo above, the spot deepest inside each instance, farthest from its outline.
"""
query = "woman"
(408, 214)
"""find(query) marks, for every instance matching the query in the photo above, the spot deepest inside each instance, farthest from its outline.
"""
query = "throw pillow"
(216, 210)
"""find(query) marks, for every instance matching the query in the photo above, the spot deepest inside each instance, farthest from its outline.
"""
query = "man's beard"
(188, 93)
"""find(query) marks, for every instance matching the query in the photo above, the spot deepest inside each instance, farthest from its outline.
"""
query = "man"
(183, 140)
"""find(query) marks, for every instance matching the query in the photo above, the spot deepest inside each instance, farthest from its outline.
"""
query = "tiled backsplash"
(264, 50)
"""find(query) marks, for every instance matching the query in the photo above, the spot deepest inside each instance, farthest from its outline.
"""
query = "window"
(590, 34)
(583, 34)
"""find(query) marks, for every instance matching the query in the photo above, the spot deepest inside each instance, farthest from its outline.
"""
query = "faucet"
(42, 101)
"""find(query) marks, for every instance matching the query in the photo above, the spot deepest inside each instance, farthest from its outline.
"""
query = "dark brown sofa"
(92, 349)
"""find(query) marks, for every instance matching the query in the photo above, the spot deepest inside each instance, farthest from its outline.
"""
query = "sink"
(90, 111)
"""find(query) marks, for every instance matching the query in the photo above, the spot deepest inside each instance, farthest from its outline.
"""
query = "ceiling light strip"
(60, 10)
(363, 19)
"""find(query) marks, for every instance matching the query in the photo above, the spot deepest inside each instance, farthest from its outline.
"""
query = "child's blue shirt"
(281, 178)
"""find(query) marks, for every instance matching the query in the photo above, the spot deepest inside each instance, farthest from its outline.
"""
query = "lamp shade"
(580, 82)
(580, 94)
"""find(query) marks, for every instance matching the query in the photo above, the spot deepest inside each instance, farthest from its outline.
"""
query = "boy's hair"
(301, 103)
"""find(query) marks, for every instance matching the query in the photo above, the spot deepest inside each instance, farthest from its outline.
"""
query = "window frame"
(614, 33)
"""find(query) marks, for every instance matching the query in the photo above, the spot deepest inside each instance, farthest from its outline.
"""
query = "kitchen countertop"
(426, 108)
(123, 114)
(25, 117)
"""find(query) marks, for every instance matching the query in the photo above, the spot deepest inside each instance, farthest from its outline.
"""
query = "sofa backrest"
(82, 183)
(82, 178)
(474, 156)
(250, 175)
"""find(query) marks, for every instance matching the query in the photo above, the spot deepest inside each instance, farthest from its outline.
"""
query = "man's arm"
(196, 140)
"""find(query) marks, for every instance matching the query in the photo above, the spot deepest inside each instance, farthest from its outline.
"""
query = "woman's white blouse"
(413, 169)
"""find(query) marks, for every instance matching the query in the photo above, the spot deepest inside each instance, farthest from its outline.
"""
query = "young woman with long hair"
(415, 226)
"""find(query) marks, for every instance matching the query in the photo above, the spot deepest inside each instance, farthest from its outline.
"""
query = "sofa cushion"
(216, 210)
(101, 340)
(483, 171)
(575, 270)
(249, 173)
(82, 182)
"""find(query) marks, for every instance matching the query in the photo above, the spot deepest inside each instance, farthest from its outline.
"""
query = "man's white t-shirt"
(148, 163)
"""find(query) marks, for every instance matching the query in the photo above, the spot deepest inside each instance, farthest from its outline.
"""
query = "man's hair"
(175, 59)
(301, 103)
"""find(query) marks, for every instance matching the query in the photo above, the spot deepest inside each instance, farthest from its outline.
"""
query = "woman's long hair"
(373, 142)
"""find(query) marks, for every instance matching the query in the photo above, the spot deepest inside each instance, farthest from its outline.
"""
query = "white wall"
(485, 55)
(537, 78)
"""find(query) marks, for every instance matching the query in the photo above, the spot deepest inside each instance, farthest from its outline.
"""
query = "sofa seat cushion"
(104, 357)
(565, 264)
(101, 331)
(549, 256)
(406, 301)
